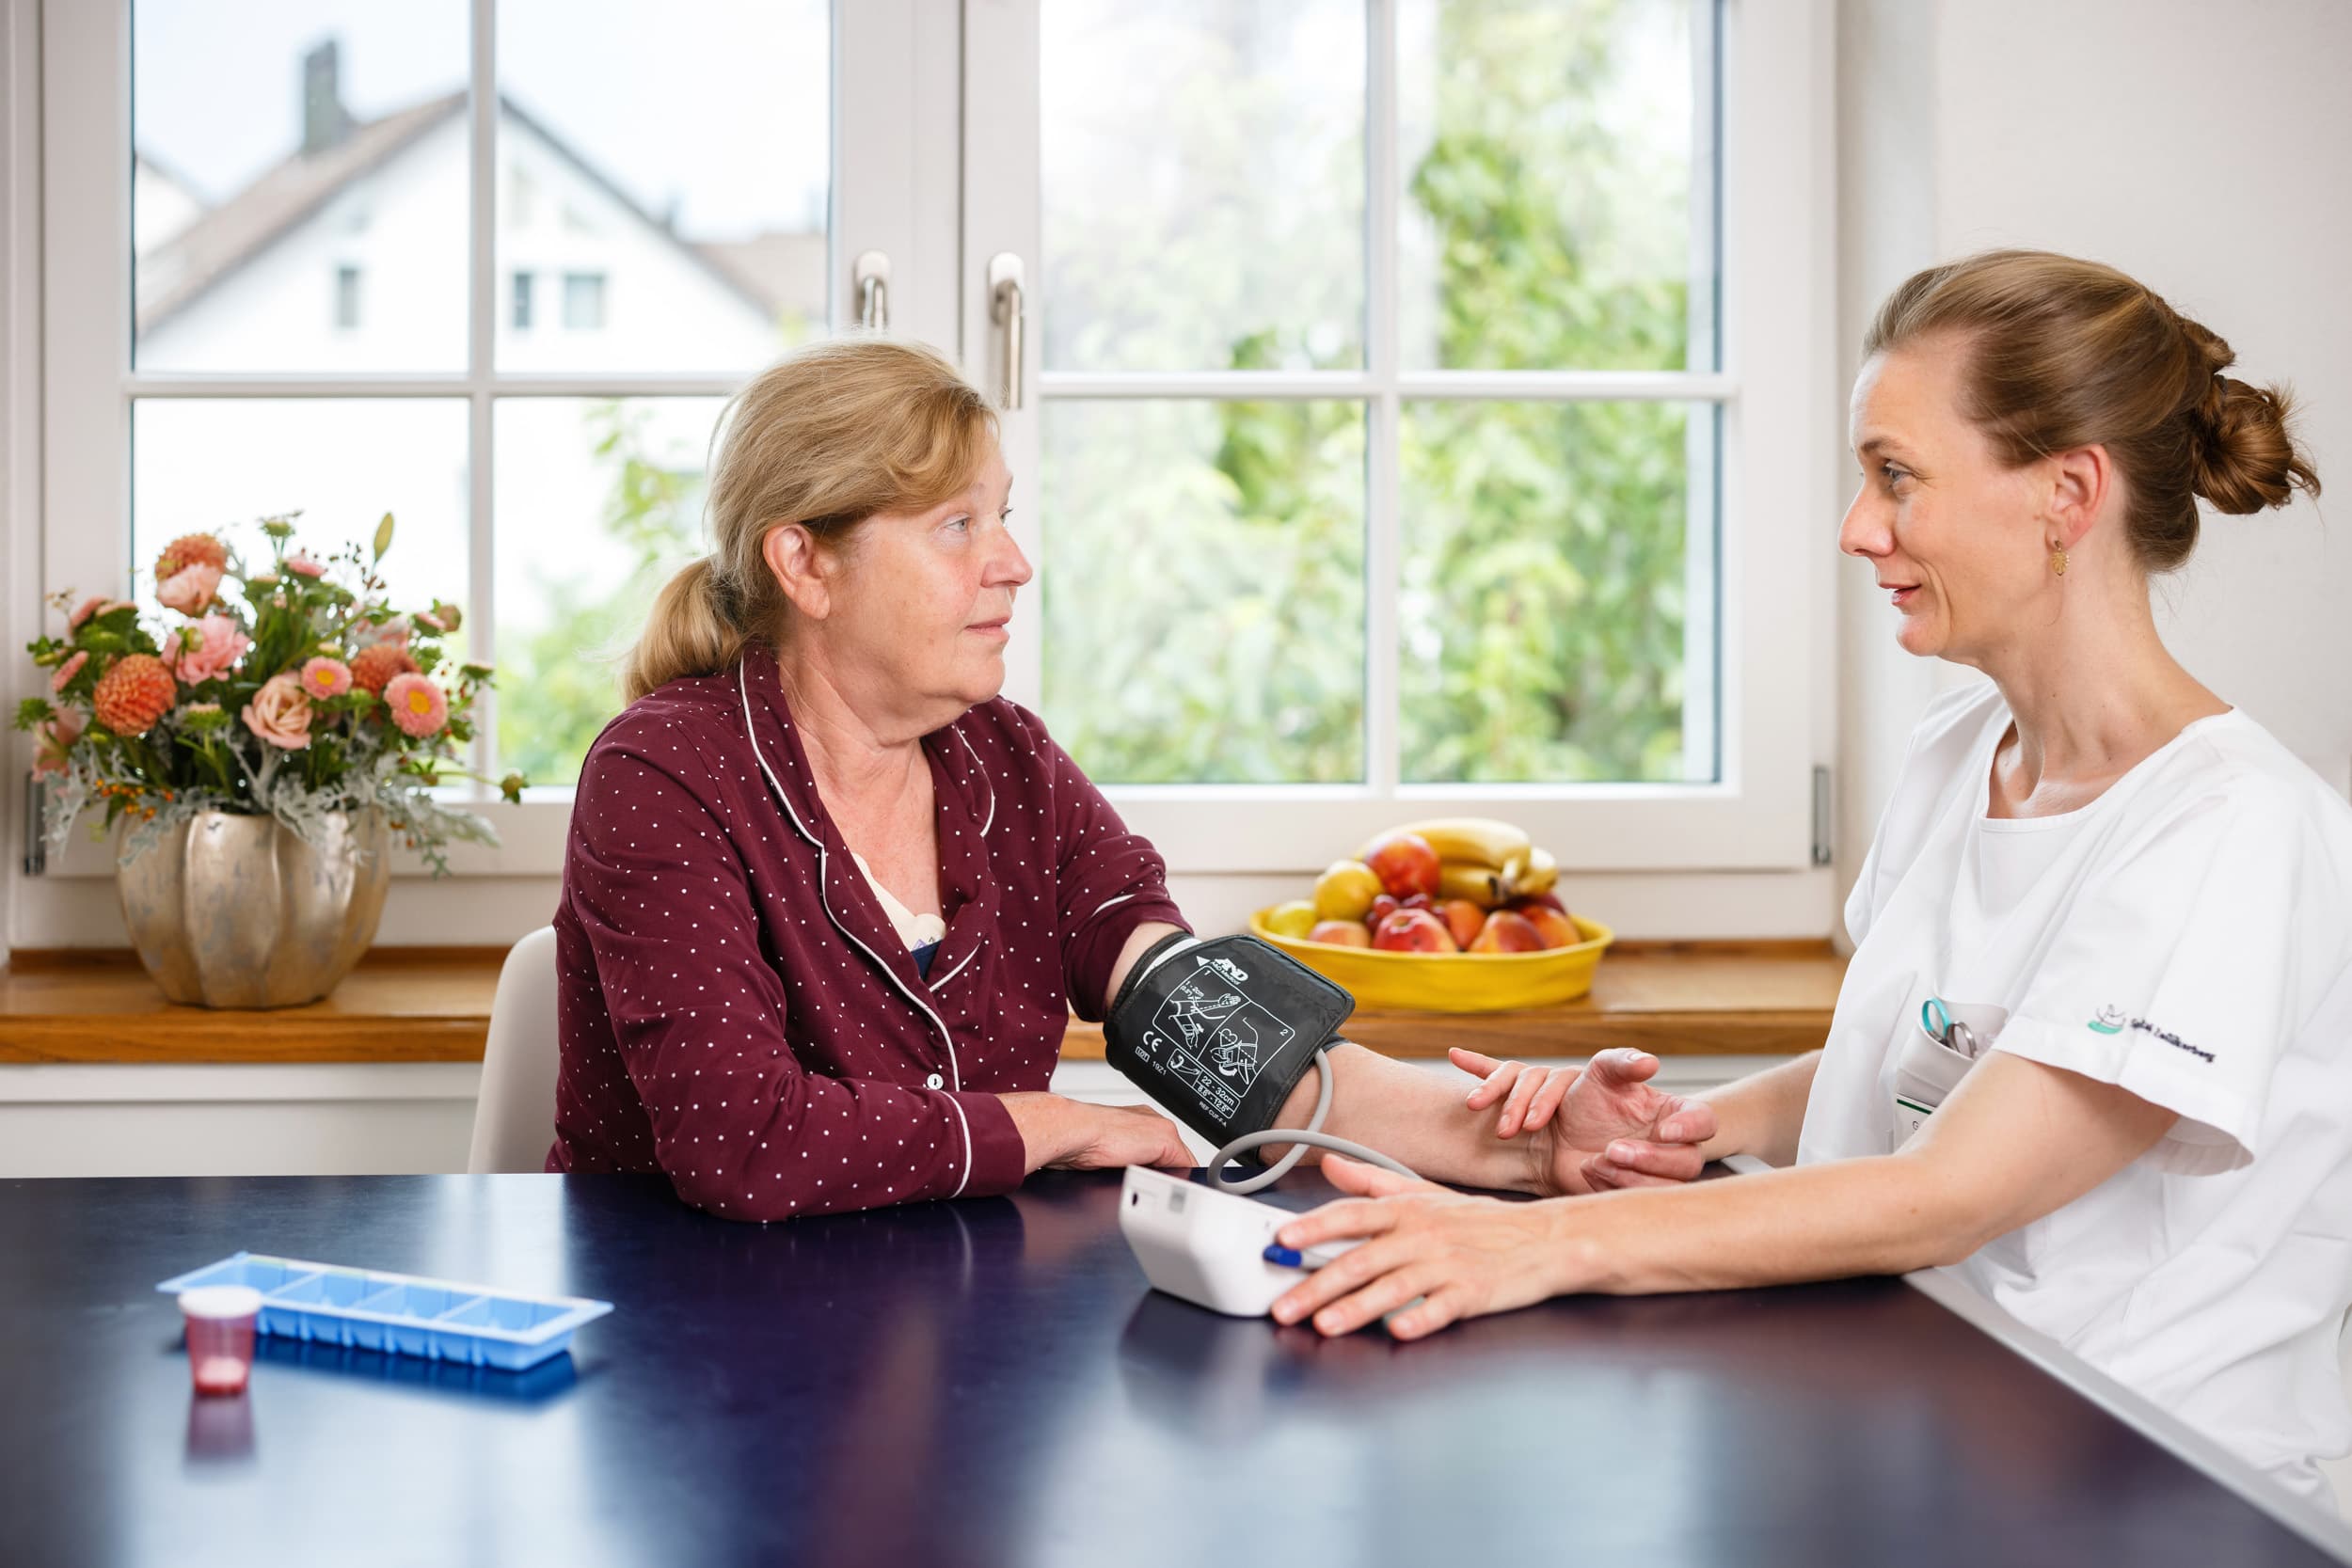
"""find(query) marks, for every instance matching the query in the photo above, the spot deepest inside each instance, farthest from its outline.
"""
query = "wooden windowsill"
(433, 1004)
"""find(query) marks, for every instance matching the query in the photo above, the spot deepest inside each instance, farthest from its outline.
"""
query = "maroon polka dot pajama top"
(737, 1011)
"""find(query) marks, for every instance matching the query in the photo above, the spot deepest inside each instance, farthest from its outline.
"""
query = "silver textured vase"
(237, 912)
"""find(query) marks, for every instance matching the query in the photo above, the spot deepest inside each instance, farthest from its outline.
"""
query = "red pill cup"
(220, 1322)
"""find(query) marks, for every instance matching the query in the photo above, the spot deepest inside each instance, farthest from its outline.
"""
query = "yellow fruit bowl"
(1452, 982)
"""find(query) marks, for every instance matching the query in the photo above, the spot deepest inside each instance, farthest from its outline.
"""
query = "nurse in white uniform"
(2134, 905)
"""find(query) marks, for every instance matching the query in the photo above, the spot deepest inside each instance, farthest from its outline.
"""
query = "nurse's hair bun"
(2245, 459)
(2054, 353)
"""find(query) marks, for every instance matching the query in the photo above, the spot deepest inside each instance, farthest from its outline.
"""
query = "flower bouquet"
(268, 742)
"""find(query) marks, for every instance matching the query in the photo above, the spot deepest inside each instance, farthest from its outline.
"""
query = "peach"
(1556, 930)
(1413, 931)
(1404, 863)
(1506, 931)
(1462, 918)
(1340, 933)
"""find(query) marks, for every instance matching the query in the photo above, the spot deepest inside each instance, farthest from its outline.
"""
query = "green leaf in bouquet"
(481, 675)
(32, 710)
(383, 536)
(512, 788)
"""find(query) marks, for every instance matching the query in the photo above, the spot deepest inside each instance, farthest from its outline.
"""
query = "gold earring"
(2058, 560)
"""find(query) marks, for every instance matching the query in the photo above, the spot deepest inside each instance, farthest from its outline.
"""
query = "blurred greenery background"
(1205, 561)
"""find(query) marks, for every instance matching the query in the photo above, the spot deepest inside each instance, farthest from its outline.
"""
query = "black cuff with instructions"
(1220, 1031)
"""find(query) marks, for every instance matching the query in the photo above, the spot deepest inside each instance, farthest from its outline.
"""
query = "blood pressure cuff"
(1221, 1031)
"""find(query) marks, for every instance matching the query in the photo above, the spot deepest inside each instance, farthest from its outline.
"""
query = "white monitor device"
(1206, 1246)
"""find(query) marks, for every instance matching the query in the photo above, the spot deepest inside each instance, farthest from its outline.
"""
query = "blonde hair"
(825, 438)
(2060, 353)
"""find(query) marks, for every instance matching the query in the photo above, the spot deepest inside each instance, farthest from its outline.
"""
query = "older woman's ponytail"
(687, 633)
(826, 438)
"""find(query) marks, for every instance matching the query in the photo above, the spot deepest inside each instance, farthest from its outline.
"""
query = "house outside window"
(583, 301)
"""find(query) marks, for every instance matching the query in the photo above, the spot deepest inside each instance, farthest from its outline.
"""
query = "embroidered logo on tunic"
(2114, 1020)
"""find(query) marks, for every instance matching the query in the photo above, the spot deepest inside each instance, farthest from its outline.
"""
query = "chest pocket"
(1918, 1073)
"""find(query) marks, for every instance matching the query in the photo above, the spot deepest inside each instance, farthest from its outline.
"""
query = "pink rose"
(301, 561)
(417, 706)
(326, 677)
(66, 671)
(279, 713)
(190, 589)
(206, 649)
(52, 738)
(84, 610)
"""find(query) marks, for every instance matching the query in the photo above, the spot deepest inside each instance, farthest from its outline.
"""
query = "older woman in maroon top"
(829, 900)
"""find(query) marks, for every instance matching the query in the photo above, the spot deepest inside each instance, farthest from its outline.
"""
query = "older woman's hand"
(1461, 1256)
(1603, 1126)
(1071, 1134)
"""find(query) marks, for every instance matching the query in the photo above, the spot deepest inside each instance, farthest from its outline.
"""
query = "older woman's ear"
(801, 568)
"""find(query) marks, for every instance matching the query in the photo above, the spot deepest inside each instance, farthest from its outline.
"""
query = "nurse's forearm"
(1889, 1215)
(1762, 1113)
(1415, 1116)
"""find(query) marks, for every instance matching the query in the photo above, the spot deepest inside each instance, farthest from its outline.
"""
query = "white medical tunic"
(2188, 936)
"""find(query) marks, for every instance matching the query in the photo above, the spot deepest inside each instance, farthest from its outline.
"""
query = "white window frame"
(934, 125)
(1774, 390)
(894, 189)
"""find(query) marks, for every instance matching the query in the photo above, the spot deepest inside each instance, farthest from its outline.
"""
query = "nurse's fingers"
(1497, 1076)
(1339, 1221)
(1602, 1174)
(1674, 1161)
(1515, 1110)
(1378, 1299)
(1693, 1123)
(1448, 1304)
(1348, 1273)
(1547, 1099)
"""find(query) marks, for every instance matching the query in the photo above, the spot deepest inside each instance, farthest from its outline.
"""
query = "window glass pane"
(1204, 589)
(598, 500)
(214, 465)
(698, 214)
(1556, 170)
(1556, 619)
(1203, 195)
(304, 144)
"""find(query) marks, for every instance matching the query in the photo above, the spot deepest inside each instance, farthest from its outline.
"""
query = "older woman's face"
(925, 597)
(1954, 536)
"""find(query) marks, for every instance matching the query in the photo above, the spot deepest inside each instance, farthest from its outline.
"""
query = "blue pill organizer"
(400, 1313)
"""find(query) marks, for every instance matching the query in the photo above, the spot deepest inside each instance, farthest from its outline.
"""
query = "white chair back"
(514, 1120)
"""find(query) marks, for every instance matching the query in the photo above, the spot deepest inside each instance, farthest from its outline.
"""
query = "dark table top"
(992, 1382)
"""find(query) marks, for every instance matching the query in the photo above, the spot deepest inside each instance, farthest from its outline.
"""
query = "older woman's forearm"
(1890, 1215)
(1414, 1116)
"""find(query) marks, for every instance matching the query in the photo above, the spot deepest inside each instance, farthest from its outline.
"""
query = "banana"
(1480, 884)
(1541, 873)
(1471, 840)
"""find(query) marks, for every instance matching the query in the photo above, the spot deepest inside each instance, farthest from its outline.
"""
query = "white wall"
(2207, 150)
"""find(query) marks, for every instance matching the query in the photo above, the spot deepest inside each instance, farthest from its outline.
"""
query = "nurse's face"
(1955, 535)
(912, 616)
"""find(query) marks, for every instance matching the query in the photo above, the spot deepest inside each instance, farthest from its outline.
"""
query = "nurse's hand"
(1462, 1257)
(1070, 1134)
(1602, 1127)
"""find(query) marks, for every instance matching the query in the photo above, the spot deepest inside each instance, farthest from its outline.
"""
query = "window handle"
(871, 274)
(1007, 308)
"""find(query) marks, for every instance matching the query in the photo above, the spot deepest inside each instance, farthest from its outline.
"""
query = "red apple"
(1404, 863)
(1506, 931)
(1463, 919)
(1340, 933)
(1413, 931)
(1382, 907)
(1556, 930)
